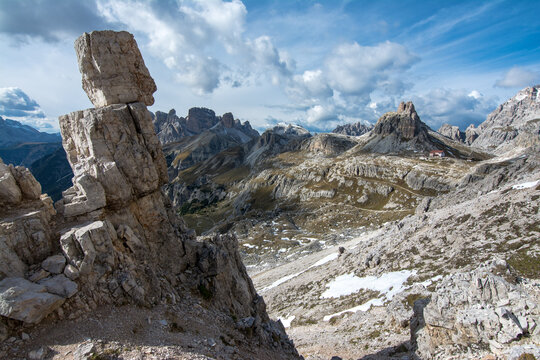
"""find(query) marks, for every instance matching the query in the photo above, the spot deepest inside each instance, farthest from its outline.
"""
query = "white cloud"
(518, 77)
(319, 113)
(15, 104)
(202, 41)
(358, 70)
(453, 106)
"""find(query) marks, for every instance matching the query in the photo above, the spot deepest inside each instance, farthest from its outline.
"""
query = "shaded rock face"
(199, 119)
(113, 70)
(356, 129)
(476, 307)
(452, 132)
(116, 238)
(404, 123)
(471, 133)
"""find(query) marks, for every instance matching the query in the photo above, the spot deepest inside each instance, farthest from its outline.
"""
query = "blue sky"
(315, 63)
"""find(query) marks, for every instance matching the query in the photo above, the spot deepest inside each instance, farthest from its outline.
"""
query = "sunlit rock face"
(113, 70)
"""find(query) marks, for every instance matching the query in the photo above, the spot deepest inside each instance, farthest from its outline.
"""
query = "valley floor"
(354, 299)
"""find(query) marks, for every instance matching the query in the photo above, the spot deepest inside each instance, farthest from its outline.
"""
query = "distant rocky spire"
(404, 123)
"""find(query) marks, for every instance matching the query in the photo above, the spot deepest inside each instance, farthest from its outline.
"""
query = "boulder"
(113, 70)
(23, 300)
(28, 185)
(60, 285)
(54, 264)
(10, 193)
(89, 244)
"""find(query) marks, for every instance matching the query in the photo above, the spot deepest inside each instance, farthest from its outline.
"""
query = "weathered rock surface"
(25, 232)
(23, 300)
(113, 70)
(477, 307)
(116, 156)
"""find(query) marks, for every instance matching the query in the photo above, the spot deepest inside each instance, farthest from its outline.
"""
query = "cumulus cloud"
(15, 104)
(358, 70)
(518, 77)
(203, 41)
(49, 20)
(343, 88)
(456, 107)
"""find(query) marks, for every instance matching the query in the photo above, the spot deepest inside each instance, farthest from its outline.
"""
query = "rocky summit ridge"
(114, 240)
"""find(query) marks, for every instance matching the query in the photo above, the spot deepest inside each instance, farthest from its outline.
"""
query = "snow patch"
(428, 282)
(324, 260)
(281, 281)
(388, 284)
(526, 185)
(286, 321)
(364, 307)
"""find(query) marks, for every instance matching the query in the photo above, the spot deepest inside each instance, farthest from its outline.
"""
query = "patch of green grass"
(411, 298)
(525, 263)
(232, 175)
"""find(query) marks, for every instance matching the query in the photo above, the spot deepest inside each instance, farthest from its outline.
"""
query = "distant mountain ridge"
(171, 128)
(13, 132)
(356, 129)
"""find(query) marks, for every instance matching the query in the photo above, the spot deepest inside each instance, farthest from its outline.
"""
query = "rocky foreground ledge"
(113, 242)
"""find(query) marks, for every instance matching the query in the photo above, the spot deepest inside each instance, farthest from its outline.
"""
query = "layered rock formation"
(356, 129)
(116, 239)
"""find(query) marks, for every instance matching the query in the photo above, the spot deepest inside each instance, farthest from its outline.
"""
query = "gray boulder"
(23, 300)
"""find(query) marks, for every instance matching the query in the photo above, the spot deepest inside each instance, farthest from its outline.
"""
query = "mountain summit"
(402, 131)
(513, 125)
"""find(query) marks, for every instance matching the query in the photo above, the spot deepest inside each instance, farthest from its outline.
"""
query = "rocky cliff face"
(116, 240)
(356, 129)
(452, 132)
(514, 125)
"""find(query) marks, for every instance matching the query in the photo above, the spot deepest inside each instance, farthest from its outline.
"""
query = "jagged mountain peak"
(405, 123)
(513, 125)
